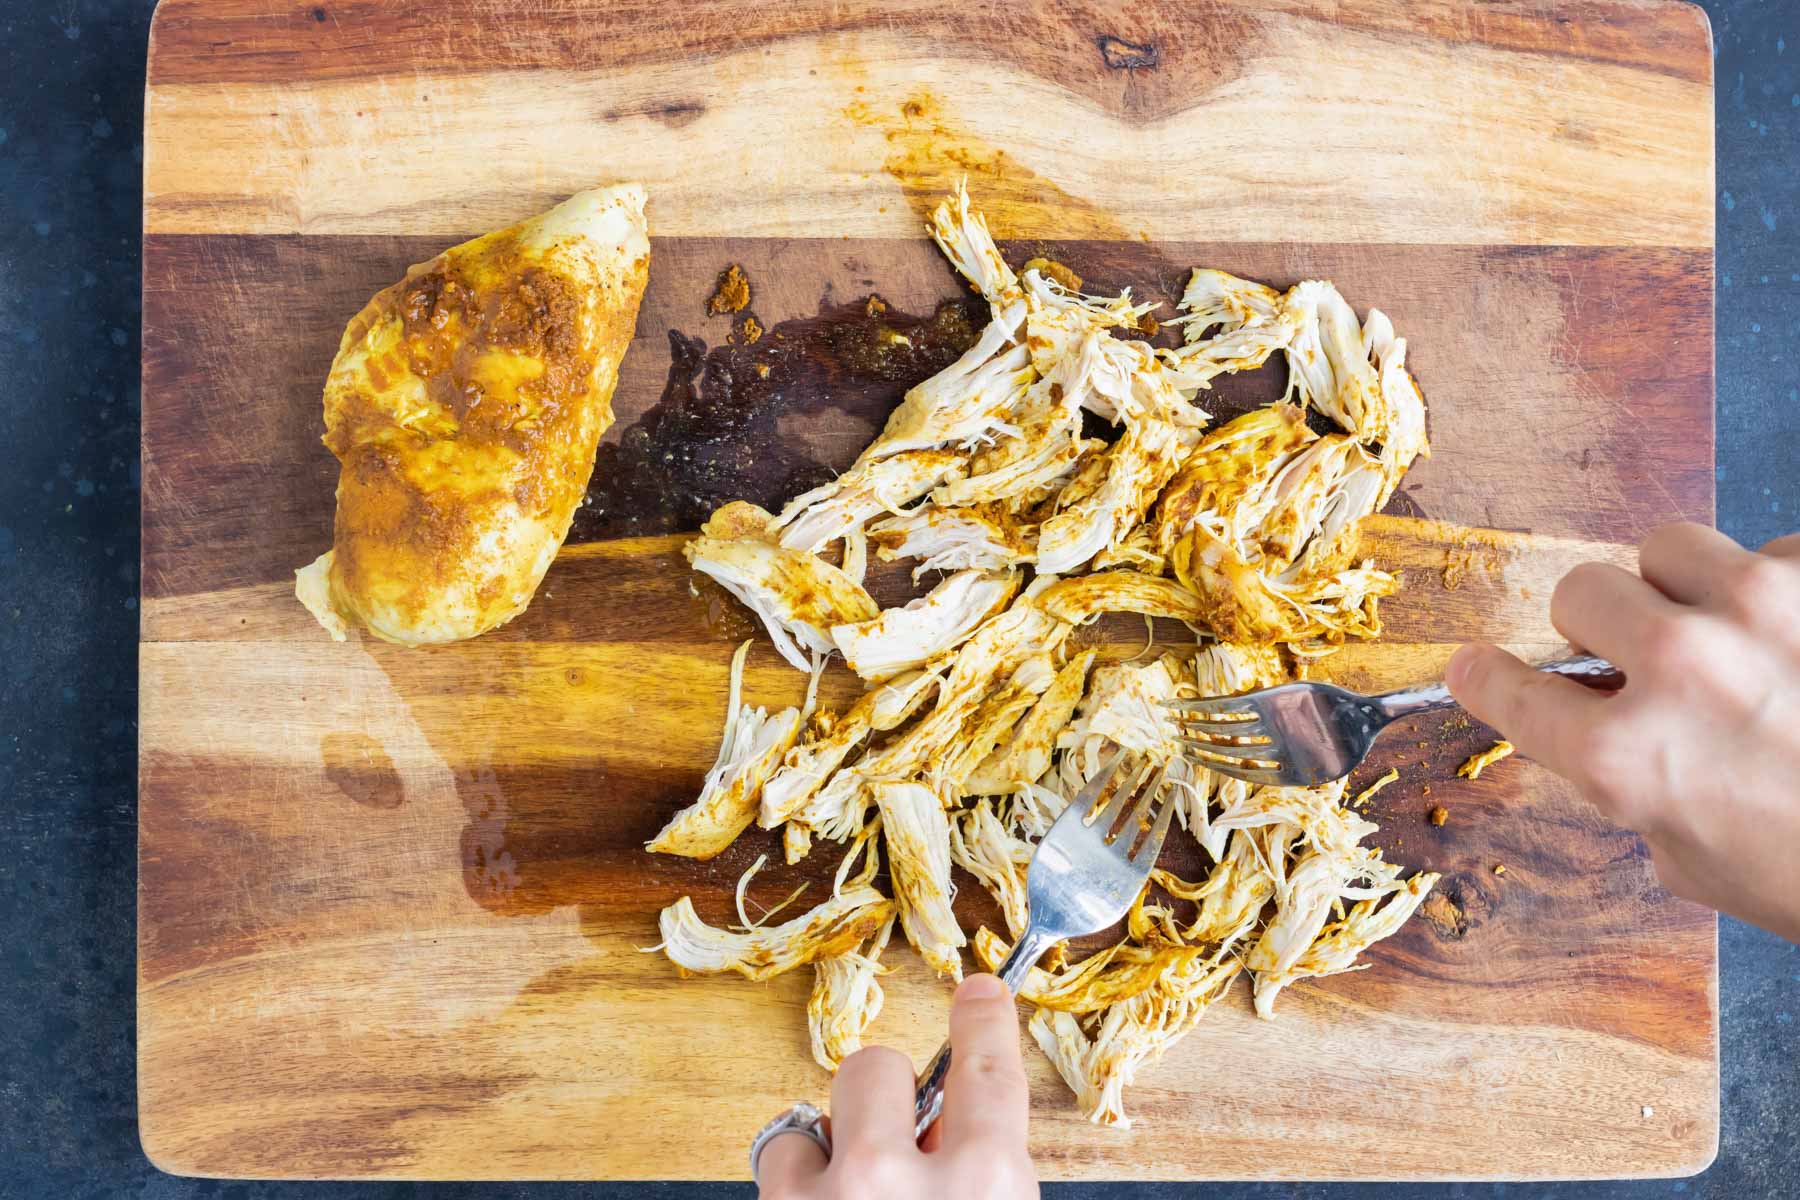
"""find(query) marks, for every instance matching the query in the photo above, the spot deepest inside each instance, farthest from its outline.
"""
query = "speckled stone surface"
(71, 112)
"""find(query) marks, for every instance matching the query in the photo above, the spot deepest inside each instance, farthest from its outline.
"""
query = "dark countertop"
(71, 113)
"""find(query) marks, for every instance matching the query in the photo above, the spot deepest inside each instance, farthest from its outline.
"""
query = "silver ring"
(803, 1118)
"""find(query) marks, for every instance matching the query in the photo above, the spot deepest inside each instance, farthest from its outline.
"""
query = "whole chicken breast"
(464, 408)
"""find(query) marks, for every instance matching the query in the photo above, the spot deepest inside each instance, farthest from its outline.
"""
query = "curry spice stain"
(930, 152)
(732, 293)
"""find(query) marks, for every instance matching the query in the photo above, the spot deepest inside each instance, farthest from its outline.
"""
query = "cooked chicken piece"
(464, 407)
(1136, 550)
(1318, 813)
(1258, 523)
(998, 649)
(1336, 948)
(1025, 756)
(806, 767)
(1107, 977)
(845, 1000)
(1217, 300)
(1238, 889)
(1228, 668)
(917, 831)
(1131, 382)
(749, 752)
(1301, 905)
(991, 724)
(834, 927)
(1404, 437)
(855, 563)
(1328, 364)
(1223, 484)
(1137, 467)
(1244, 605)
(892, 704)
(1029, 467)
(952, 539)
(1478, 763)
(911, 636)
(1253, 321)
(1082, 597)
(798, 596)
(1309, 484)
(796, 842)
(962, 234)
(989, 659)
(872, 487)
(1072, 331)
(967, 402)
(1130, 1034)
(1125, 707)
(740, 520)
(982, 845)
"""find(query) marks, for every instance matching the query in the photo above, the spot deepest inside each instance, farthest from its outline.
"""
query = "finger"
(1546, 716)
(789, 1167)
(986, 1100)
(1783, 547)
(1687, 562)
(872, 1102)
(1609, 611)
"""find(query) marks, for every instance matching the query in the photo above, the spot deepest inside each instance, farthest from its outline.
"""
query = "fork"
(1081, 880)
(1303, 734)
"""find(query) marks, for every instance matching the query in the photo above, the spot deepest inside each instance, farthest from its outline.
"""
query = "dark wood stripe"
(1570, 388)
(1146, 61)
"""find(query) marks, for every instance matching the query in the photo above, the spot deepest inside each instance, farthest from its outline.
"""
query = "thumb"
(986, 1099)
(1546, 716)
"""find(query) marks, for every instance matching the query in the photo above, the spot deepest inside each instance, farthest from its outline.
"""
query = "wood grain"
(1386, 135)
(391, 902)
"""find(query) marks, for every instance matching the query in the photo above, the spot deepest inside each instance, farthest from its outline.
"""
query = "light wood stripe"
(1377, 139)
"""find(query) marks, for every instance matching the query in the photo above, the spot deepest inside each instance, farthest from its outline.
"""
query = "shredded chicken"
(978, 721)
(1478, 763)
(953, 539)
(917, 831)
(846, 998)
(752, 746)
(832, 928)
(877, 486)
(911, 636)
(799, 596)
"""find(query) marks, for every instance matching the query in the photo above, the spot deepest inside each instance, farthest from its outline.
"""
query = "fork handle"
(928, 1101)
(1585, 669)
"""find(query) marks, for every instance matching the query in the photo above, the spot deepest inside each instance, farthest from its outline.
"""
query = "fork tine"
(1151, 847)
(1255, 757)
(1138, 819)
(1215, 708)
(1226, 728)
(1133, 779)
(1095, 787)
(1250, 737)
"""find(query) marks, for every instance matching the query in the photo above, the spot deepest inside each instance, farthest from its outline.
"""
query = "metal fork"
(1081, 880)
(1303, 734)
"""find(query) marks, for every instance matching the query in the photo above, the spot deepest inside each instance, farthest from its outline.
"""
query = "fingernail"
(981, 987)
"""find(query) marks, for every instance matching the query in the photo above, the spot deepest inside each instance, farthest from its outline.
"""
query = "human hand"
(1700, 751)
(976, 1151)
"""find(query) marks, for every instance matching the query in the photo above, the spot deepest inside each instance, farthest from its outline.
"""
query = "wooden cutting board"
(391, 902)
